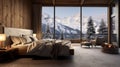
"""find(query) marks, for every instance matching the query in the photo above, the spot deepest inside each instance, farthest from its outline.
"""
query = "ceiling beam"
(111, 2)
(74, 3)
(54, 1)
(82, 2)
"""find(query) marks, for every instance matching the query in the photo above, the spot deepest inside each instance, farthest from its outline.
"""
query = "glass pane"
(94, 22)
(47, 22)
(67, 23)
(114, 32)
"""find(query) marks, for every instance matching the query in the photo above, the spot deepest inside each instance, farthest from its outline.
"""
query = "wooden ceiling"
(74, 2)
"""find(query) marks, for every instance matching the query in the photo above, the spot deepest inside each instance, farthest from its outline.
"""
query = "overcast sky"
(70, 11)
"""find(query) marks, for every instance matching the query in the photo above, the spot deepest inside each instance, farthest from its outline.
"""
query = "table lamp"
(34, 35)
(2, 39)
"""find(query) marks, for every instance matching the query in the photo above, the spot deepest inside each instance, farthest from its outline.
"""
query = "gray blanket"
(50, 48)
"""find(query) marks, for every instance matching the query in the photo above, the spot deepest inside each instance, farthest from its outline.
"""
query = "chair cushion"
(99, 41)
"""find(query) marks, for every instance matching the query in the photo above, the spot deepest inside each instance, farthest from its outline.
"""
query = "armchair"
(98, 41)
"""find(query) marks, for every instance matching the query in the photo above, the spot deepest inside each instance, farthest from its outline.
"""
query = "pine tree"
(62, 35)
(48, 29)
(102, 28)
(48, 33)
(90, 28)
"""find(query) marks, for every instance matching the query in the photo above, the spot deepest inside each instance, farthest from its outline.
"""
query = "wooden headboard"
(15, 32)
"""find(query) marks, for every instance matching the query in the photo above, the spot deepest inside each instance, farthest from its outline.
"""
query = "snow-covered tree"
(62, 35)
(90, 28)
(103, 28)
(48, 33)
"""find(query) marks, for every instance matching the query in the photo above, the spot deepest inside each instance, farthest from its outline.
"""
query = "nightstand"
(8, 54)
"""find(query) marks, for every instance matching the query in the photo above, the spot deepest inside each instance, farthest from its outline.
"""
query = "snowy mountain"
(68, 25)
(61, 25)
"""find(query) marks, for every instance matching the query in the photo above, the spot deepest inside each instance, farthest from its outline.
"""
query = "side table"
(110, 48)
(8, 54)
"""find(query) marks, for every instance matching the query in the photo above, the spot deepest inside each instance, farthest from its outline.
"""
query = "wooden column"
(37, 12)
(54, 19)
(16, 13)
(109, 24)
(118, 22)
(80, 23)
(54, 23)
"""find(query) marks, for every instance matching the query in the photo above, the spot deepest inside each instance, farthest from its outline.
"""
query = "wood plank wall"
(16, 13)
(37, 13)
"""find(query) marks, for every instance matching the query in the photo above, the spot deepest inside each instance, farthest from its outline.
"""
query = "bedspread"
(49, 48)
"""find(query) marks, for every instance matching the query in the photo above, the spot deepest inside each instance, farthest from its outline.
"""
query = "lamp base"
(1, 45)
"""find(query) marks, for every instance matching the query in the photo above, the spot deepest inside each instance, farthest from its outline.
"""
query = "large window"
(94, 22)
(67, 22)
(47, 22)
(114, 32)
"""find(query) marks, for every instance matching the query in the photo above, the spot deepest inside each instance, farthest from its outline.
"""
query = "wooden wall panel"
(13, 13)
(0, 11)
(16, 13)
(21, 13)
(37, 10)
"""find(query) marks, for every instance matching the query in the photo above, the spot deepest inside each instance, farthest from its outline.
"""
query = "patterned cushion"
(23, 40)
(27, 37)
(33, 38)
(15, 39)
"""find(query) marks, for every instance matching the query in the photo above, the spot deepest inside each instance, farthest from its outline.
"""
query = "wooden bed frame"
(19, 32)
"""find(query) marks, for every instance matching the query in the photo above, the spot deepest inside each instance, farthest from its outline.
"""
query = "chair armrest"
(93, 41)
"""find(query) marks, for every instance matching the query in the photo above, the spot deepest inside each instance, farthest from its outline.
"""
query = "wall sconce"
(2, 38)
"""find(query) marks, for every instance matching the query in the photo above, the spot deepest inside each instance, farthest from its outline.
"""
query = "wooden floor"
(84, 57)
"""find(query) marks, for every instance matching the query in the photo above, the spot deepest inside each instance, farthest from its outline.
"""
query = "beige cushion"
(15, 39)
(27, 37)
(100, 41)
(22, 48)
(23, 40)
(33, 38)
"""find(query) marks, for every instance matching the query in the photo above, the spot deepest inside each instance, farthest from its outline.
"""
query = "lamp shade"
(34, 35)
(2, 37)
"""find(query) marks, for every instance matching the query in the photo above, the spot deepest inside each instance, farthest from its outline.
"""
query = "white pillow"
(23, 40)
(27, 37)
(34, 38)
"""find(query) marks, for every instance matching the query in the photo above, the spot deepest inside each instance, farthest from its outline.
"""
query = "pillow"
(33, 38)
(23, 40)
(15, 39)
(27, 37)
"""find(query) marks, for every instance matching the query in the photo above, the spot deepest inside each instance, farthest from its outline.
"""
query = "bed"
(31, 46)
